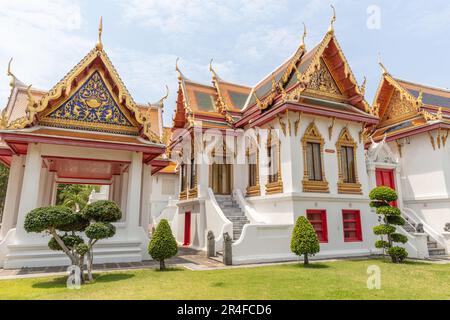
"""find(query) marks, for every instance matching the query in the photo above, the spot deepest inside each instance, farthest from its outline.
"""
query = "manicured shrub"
(384, 194)
(163, 245)
(304, 239)
(102, 210)
(397, 237)
(100, 230)
(388, 211)
(389, 217)
(54, 217)
(381, 244)
(383, 229)
(398, 254)
(71, 241)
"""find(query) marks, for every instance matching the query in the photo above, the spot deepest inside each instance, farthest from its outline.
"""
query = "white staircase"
(233, 212)
(435, 248)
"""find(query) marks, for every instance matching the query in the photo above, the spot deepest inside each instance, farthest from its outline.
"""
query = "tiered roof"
(407, 108)
(318, 81)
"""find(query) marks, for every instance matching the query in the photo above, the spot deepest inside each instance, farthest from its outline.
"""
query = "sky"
(247, 39)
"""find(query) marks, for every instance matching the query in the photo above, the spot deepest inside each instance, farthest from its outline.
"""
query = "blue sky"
(246, 38)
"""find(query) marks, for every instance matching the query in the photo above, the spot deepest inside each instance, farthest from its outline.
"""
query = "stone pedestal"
(227, 250)
(211, 245)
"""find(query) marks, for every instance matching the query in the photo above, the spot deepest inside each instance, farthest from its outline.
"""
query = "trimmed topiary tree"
(304, 239)
(163, 245)
(57, 219)
(389, 217)
(100, 214)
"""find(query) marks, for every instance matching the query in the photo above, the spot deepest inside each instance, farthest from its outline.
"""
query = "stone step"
(436, 252)
(432, 244)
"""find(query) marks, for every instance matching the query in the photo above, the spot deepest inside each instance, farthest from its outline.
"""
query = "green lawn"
(330, 280)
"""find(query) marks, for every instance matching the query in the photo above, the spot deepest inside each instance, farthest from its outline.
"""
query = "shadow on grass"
(61, 282)
(169, 269)
(55, 283)
(111, 277)
(313, 266)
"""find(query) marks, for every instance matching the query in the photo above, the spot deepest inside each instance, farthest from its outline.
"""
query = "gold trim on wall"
(346, 140)
(313, 135)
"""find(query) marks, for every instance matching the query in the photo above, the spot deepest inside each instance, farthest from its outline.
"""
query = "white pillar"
(12, 195)
(124, 195)
(145, 196)
(29, 198)
(116, 189)
(134, 191)
(44, 188)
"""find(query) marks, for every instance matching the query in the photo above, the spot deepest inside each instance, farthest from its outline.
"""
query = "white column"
(12, 195)
(124, 195)
(134, 191)
(29, 198)
(116, 189)
(145, 196)
(54, 190)
(43, 186)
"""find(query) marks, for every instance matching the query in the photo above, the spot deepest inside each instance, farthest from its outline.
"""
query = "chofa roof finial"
(99, 45)
(10, 74)
(363, 86)
(302, 44)
(177, 69)
(383, 68)
(333, 19)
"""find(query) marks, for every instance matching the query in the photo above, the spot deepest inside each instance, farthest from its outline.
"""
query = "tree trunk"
(81, 266)
(162, 265)
(66, 250)
(89, 265)
(306, 261)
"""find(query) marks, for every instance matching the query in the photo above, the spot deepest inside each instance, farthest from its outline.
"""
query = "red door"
(187, 228)
(385, 177)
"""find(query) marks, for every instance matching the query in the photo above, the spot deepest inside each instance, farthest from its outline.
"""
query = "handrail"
(226, 222)
(251, 213)
(411, 214)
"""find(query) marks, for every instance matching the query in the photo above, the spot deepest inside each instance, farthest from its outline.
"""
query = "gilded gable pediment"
(322, 83)
(91, 106)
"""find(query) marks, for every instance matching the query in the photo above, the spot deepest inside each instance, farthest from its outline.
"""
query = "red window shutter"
(318, 219)
(351, 220)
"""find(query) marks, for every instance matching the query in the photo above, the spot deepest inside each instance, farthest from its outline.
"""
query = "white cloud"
(42, 38)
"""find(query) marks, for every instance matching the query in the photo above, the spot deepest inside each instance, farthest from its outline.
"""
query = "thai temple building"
(241, 160)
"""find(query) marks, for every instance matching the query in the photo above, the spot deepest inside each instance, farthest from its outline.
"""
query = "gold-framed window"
(183, 184)
(252, 157)
(346, 154)
(313, 169)
(274, 180)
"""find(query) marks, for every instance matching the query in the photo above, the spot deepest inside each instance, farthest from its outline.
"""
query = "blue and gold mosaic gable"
(92, 107)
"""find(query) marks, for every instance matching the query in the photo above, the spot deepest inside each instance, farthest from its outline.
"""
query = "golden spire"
(383, 68)
(177, 69)
(161, 101)
(363, 86)
(99, 45)
(419, 98)
(302, 44)
(333, 19)
(10, 74)
(215, 76)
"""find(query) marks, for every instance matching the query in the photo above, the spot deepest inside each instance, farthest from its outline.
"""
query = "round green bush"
(100, 230)
(381, 244)
(397, 237)
(82, 249)
(69, 240)
(396, 220)
(383, 229)
(398, 254)
(102, 210)
(383, 194)
(377, 204)
(388, 211)
(163, 245)
(304, 239)
(45, 218)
